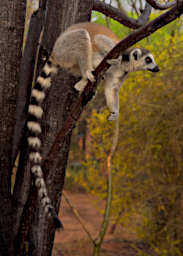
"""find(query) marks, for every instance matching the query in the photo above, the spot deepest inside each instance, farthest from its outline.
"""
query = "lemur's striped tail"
(35, 113)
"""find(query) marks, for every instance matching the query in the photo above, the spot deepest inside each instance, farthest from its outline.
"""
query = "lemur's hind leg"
(73, 51)
(85, 62)
(104, 43)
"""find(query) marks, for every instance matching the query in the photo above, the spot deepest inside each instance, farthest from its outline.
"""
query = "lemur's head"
(134, 59)
(139, 59)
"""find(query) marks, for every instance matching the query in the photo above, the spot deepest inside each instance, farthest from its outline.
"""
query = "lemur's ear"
(115, 61)
(136, 54)
(125, 57)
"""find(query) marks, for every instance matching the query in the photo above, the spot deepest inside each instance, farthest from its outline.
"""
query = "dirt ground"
(74, 241)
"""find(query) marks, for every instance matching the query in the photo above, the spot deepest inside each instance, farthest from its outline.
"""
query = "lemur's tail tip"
(57, 222)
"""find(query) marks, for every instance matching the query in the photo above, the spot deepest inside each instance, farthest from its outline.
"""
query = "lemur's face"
(134, 60)
(141, 59)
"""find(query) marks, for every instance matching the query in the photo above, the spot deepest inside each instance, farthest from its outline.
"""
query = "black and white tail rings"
(35, 113)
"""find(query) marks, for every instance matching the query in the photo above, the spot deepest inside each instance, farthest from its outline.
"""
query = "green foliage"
(154, 41)
(117, 28)
(147, 167)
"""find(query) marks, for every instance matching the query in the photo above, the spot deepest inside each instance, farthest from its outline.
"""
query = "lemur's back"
(95, 29)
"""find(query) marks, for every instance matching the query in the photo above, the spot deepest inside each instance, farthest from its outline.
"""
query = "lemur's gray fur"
(79, 50)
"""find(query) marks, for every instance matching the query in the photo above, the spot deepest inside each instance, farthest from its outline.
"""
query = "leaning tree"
(24, 229)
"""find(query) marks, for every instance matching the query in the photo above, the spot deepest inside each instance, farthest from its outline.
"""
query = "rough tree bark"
(11, 31)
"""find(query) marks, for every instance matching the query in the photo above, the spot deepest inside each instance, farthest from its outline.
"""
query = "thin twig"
(120, 6)
(113, 227)
(78, 217)
(107, 18)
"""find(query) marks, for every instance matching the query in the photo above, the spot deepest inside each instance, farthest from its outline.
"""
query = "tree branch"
(120, 16)
(179, 3)
(87, 94)
(157, 5)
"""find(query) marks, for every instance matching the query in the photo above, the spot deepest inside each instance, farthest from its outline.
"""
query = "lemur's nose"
(155, 69)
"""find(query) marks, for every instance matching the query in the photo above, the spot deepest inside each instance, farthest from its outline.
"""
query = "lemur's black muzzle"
(155, 69)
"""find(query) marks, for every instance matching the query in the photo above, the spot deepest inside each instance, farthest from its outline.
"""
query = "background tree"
(11, 29)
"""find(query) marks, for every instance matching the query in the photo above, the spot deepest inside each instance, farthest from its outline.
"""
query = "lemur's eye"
(135, 55)
(148, 60)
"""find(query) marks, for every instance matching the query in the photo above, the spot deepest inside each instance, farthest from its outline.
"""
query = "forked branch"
(120, 16)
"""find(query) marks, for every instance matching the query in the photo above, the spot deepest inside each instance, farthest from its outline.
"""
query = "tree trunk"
(58, 106)
(12, 17)
(36, 229)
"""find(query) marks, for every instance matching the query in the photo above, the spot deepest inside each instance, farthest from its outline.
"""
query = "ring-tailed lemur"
(79, 50)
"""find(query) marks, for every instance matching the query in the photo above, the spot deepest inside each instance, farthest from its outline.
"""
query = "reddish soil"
(74, 241)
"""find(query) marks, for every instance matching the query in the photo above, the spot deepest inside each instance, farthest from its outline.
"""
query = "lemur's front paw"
(113, 116)
(79, 86)
(90, 76)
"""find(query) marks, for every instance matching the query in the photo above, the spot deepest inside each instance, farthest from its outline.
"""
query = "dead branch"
(120, 16)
